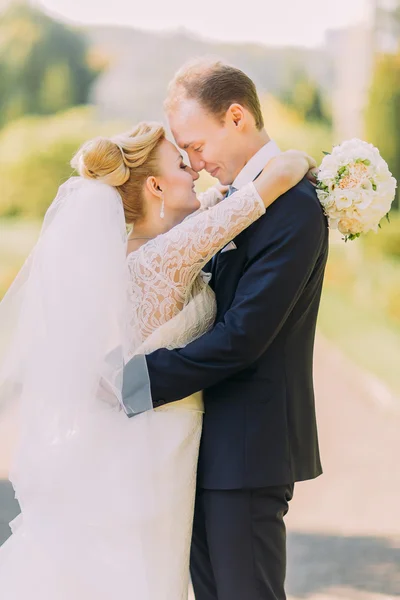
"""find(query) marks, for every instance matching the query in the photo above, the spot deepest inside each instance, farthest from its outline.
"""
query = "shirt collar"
(256, 164)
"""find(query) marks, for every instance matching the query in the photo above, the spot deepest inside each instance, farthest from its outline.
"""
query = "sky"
(272, 22)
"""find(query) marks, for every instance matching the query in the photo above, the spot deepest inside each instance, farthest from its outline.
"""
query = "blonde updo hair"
(125, 162)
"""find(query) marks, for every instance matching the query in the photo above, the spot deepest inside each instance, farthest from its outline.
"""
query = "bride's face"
(177, 183)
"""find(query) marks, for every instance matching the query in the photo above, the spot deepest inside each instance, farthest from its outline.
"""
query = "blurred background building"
(353, 51)
(385, 22)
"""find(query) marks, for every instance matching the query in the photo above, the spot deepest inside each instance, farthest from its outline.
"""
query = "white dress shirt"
(256, 164)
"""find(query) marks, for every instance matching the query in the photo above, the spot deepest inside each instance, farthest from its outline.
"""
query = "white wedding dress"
(109, 516)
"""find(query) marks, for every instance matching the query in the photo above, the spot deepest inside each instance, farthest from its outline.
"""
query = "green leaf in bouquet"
(387, 217)
(374, 186)
(352, 236)
(326, 153)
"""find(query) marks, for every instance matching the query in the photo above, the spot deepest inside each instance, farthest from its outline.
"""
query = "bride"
(107, 501)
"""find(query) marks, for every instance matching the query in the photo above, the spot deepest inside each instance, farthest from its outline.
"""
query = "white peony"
(355, 188)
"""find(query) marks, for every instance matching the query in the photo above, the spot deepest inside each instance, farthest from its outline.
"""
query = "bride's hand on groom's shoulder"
(312, 173)
(282, 173)
(299, 162)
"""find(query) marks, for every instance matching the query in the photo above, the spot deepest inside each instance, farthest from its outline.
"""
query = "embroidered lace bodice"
(171, 302)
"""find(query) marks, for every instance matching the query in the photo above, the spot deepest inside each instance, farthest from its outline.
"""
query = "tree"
(35, 154)
(304, 95)
(382, 118)
(43, 64)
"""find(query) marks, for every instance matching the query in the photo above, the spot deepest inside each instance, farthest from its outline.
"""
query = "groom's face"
(211, 144)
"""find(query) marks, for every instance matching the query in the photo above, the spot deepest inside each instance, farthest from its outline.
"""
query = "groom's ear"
(236, 116)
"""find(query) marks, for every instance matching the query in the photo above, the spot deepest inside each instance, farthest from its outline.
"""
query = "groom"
(255, 366)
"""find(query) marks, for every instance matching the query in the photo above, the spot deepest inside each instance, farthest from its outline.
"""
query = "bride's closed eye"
(183, 166)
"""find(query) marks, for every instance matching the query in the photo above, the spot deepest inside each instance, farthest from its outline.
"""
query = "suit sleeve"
(278, 268)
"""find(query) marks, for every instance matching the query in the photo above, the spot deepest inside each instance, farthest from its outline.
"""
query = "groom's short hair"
(215, 85)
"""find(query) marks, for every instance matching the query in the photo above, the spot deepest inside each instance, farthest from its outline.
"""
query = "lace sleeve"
(164, 269)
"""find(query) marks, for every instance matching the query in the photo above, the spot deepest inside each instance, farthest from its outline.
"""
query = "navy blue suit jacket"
(256, 365)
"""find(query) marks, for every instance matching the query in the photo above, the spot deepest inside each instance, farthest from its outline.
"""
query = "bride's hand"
(223, 189)
(293, 165)
(283, 172)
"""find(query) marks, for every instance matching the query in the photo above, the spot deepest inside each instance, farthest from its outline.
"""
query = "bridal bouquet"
(355, 188)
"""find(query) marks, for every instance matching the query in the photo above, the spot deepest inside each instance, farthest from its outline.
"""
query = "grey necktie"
(230, 191)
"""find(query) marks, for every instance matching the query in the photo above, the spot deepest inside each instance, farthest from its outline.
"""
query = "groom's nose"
(197, 164)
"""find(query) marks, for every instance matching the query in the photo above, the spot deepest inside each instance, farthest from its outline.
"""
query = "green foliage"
(383, 112)
(360, 308)
(35, 153)
(43, 64)
(16, 241)
(365, 336)
(386, 243)
(304, 95)
(289, 130)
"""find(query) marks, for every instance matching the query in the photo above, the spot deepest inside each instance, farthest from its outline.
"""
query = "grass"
(367, 338)
(16, 240)
(360, 308)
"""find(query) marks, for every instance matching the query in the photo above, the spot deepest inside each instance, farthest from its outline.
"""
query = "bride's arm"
(180, 254)
(282, 173)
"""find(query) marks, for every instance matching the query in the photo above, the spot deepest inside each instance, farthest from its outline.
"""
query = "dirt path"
(344, 539)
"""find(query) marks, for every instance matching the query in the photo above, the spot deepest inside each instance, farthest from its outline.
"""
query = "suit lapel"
(217, 258)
